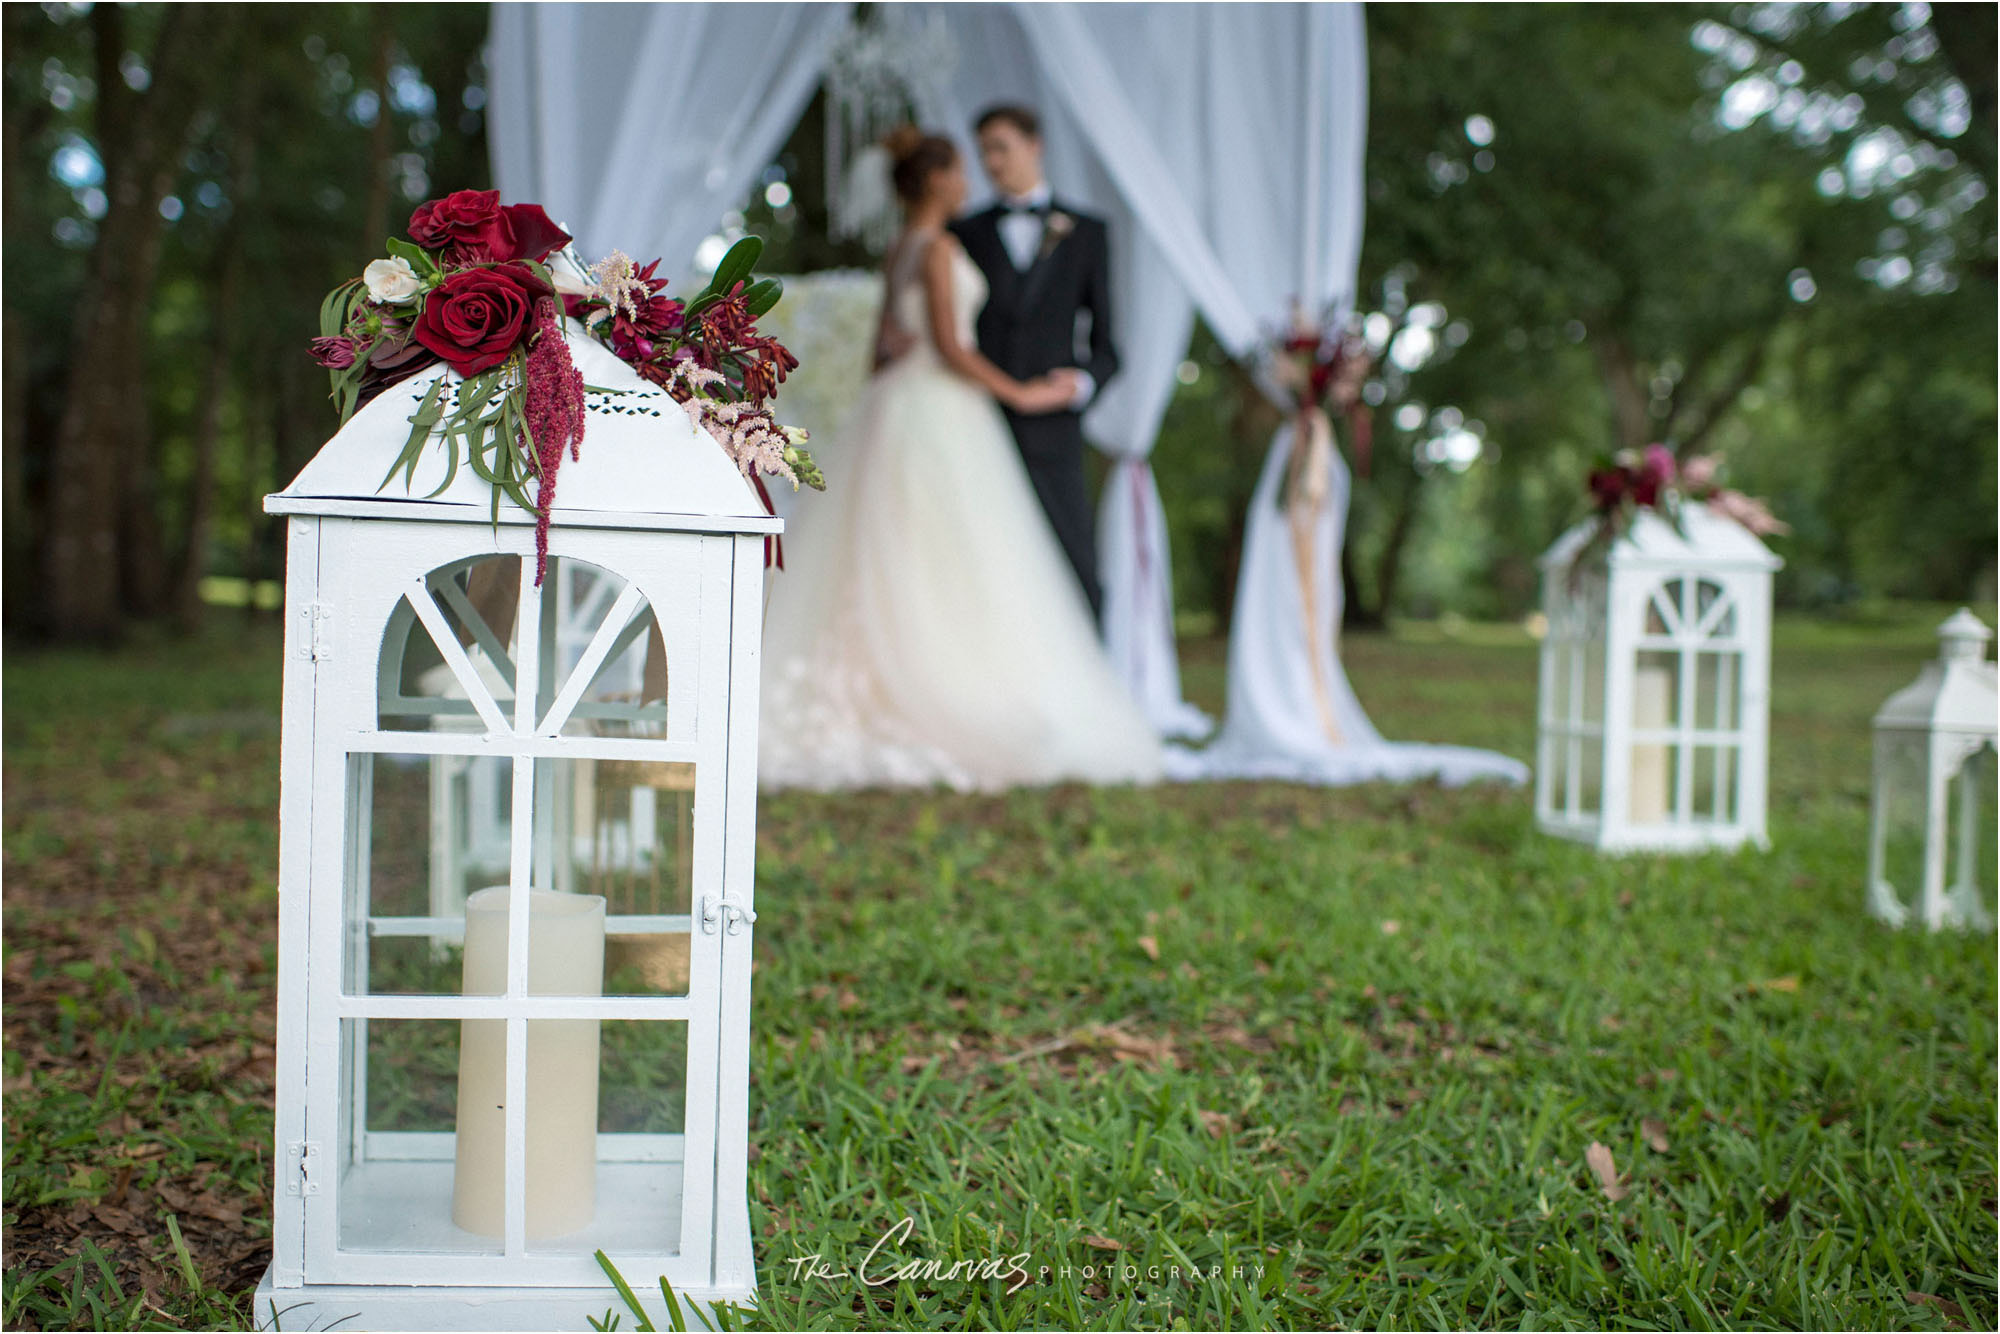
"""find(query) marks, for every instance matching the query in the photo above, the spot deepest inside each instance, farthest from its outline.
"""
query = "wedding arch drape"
(1223, 144)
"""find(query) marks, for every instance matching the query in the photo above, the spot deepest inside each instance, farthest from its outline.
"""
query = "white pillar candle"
(565, 958)
(1652, 692)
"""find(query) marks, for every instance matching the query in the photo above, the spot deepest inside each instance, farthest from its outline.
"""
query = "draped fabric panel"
(639, 126)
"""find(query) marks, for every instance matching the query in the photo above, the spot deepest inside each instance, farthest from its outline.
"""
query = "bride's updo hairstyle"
(916, 156)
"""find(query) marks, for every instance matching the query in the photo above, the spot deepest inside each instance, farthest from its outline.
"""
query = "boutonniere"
(1057, 226)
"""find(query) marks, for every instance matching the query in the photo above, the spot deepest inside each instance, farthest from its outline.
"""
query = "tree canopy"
(1761, 229)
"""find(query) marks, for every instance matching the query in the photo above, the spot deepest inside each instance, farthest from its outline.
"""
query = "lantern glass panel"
(639, 1146)
(1717, 681)
(1902, 765)
(1663, 609)
(599, 617)
(471, 603)
(1589, 681)
(1970, 827)
(398, 1118)
(426, 831)
(1587, 757)
(624, 830)
(1714, 786)
(1715, 612)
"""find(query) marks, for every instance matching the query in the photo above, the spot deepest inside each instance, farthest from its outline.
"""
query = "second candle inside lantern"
(565, 958)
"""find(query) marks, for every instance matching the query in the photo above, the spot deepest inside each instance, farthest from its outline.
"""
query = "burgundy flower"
(336, 354)
(475, 317)
(530, 233)
(471, 227)
(463, 221)
(1608, 486)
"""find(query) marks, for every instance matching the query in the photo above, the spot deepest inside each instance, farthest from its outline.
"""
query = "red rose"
(475, 317)
(462, 220)
(471, 227)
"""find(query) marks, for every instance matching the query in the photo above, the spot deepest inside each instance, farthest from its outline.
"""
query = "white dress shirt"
(1021, 233)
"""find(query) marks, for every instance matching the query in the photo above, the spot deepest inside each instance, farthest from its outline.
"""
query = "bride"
(927, 628)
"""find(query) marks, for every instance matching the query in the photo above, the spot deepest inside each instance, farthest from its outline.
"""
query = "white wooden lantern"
(1932, 809)
(515, 877)
(1655, 684)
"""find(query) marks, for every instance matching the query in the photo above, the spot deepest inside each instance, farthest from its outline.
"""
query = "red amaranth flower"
(554, 414)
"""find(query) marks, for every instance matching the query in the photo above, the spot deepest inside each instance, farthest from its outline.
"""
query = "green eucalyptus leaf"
(736, 265)
(422, 422)
(419, 258)
(763, 295)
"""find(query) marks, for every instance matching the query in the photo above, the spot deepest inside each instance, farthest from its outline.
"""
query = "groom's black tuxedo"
(1028, 327)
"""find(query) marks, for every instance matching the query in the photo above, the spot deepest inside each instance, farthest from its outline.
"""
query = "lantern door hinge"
(717, 909)
(302, 1167)
(316, 643)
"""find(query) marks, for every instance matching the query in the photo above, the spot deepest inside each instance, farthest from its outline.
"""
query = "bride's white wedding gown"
(926, 627)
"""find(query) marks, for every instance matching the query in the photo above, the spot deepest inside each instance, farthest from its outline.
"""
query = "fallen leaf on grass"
(1605, 1169)
(1789, 982)
(1953, 1313)
(1216, 1123)
(1655, 1132)
(1102, 1243)
(1151, 946)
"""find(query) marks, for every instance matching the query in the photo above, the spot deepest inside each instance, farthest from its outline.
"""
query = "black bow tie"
(1038, 210)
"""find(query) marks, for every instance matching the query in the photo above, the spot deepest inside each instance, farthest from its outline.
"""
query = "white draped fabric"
(1223, 143)
(1273, 729)
(638, 126)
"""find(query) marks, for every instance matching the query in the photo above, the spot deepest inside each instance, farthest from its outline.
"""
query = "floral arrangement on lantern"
(1622, 484)
(473, 287)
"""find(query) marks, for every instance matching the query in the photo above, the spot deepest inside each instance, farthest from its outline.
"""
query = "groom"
(1046, 264)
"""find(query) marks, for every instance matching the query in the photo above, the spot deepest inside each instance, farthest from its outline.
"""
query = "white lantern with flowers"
(486, 1091)
(1653, 719)
(1931, 822)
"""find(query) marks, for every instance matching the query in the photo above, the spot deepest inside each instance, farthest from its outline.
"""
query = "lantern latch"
(717, 909)
(317, 641)
(302, 1167)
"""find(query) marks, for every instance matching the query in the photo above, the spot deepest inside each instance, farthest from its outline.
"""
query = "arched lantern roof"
(1713, 541)
(642, 463)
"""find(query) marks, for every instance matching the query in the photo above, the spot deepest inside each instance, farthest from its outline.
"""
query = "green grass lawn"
(1348, 1046)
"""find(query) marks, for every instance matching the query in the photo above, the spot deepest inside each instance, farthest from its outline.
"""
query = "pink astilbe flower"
(1749, 511)
(555, 416)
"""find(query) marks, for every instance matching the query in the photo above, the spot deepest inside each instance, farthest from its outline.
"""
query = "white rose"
(390, 280)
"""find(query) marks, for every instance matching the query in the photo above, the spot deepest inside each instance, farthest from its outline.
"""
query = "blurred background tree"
(1761, 229)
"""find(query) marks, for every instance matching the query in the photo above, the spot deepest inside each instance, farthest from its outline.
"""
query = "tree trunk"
(103, 418)
(193, 559)
(1629, 398)
(1355, 614)
(1389, 570)
(375, 217)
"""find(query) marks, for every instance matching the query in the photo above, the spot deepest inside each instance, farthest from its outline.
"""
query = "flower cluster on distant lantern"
(1654, 478)
(473, 288)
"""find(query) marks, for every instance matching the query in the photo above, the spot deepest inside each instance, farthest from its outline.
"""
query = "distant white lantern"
(1655, 685)
(1932, 814)
(517, 828)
